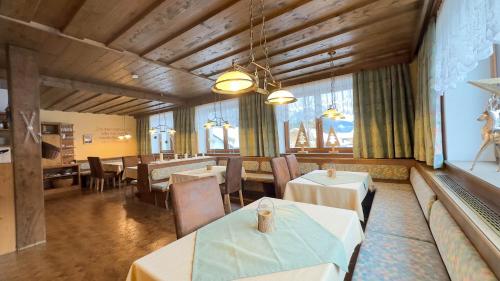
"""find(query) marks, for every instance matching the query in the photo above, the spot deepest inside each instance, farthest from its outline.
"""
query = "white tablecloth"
(346, 196)
(115, 167)
(130, 173)
(218, 171)
(175, 261)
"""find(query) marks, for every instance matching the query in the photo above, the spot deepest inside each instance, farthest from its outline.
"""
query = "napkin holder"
(186, 156)
(161, 157)
(210, 167)
(266, 216)
(176, 156)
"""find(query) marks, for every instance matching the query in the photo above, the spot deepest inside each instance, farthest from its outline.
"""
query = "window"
(218, 139)
(312, 100)
(160, 125)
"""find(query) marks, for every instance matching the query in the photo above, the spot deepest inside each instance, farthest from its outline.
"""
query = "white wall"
(462, 106)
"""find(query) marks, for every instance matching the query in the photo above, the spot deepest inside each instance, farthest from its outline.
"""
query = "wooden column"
(23, 86)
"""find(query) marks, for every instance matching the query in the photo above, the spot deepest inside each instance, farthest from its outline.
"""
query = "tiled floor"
(91, 236)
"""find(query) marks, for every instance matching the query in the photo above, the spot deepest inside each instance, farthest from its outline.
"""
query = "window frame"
(226, 148)
(320, 147)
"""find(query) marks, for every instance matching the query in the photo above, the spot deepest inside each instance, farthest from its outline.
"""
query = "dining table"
(218, 171)
(176, 261)
(115, 166)
(346, 190)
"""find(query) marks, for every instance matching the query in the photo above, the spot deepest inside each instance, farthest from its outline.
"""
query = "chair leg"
(166, 199)
(91, 183)
(97, 184)
(228, 202)
(102, 185)
(114, 182)
(240, 192)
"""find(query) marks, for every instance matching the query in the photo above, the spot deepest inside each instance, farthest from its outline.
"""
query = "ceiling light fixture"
(332, 112)
(238, 79)
(135, 76)
(217, 120)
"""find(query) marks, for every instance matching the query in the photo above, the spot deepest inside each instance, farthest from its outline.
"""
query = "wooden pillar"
(23, 86)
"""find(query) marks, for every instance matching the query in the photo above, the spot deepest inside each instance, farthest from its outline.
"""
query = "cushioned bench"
(399, 244)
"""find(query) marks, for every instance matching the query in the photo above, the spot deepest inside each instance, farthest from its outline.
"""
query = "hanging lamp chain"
(332, 81)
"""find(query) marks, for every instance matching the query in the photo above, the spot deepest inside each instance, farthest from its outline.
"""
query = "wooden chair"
(281, 175)
(233, 181)
(98, 175)
(196, 203)
(293, 166)
(128, 161)
(146, 159)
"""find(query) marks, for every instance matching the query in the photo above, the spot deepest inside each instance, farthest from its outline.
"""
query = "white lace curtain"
(313, 99)
(465, 33)
(230, 112)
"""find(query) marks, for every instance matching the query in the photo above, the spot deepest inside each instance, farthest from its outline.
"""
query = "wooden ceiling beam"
(187, 28)
(61, 99)
(69, 108)
(103, 88)
(119, 100)
(134, 21)
(226, 36)
(407, 10)
(147, 104)
(129, 104)
(23, 10)
(362, 54)
(376, 36)
(155, 111)
(54, 31)
(64, 28)
(280, 35)
(365, 59)
(347, 69)
(423, 20)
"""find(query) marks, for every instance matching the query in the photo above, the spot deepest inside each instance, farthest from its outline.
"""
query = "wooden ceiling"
(88, 49)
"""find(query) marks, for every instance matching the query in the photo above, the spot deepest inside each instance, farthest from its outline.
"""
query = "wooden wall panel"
(7, 210)
(23, 84)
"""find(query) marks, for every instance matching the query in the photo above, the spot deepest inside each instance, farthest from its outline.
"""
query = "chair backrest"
(96, 169)
(146, 159)
(233, 175)
(129, 161)
(281, 175)
(293, 166)
(196, 203)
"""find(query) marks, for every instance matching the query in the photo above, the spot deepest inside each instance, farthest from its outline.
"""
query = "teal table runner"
(232, 247)
(341, 178)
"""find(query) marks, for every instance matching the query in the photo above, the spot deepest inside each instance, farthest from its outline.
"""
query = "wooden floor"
(91, 236)
(97, 236)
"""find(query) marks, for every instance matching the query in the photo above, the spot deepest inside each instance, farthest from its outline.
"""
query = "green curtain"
(383, 113)
(428, 145)
(143, 139)
(258, 131)
(185, 127)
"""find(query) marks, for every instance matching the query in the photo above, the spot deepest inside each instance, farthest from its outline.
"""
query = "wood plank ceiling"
(178, 48)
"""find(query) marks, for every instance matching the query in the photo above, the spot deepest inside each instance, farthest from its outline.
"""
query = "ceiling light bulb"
(135, 76)
(120, 137)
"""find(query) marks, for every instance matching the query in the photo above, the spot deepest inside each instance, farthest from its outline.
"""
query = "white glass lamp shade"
(332, 113)
(121, 137)
(209, 124)
(153, 131)
(127, 136)
(234, 82)
(280, 97)
(171, 132)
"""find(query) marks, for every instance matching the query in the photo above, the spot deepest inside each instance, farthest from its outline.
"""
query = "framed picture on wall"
(87, 139)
